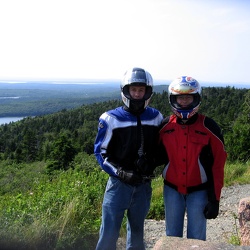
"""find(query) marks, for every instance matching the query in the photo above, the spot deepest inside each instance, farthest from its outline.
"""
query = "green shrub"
(63, 210)
(60, 213)
(237, 173)
(156, 210)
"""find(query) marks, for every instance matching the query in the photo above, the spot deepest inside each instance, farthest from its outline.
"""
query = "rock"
(244, 221)
(170, 243)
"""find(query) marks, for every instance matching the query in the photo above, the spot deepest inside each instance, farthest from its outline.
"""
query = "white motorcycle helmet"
(136, 77)
(184, 85)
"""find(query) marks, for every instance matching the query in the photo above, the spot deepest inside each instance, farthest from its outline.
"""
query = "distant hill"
(38, 98)
(89, 83)
(32, 98)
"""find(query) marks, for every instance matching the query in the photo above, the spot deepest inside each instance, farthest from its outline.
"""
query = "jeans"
(176, 204)
(118, 198)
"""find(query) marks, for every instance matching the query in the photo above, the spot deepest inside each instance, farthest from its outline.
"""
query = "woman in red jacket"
(194, 172)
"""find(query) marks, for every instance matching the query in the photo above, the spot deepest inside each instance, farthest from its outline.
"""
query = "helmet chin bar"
(185, 114)
(136, 106)
(182, 114)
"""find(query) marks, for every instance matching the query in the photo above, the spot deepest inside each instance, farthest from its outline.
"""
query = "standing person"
(194, 173)
(125, 147)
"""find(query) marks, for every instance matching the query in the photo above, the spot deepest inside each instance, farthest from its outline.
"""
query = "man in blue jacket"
(125, 148)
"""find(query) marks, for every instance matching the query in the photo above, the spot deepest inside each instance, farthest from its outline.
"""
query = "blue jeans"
(176, 204)
(118, 198)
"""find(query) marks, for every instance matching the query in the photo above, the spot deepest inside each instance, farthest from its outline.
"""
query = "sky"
(101, 39)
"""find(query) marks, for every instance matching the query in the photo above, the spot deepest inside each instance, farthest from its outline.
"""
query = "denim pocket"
(112, 183)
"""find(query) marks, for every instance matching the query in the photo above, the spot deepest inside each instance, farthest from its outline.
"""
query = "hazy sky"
(76, 39)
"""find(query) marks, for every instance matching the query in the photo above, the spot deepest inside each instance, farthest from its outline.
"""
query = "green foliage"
(62, 211)
(238, 143)
(62, 152)
(16, 178)
(222, 104)
(156, 210)
(235, 238)
(237, 173)
(33, 138)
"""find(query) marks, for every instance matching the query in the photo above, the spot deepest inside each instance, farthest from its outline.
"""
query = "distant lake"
(7, 120)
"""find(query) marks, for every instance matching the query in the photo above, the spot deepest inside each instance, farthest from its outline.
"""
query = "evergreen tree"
(62, 152)
(238, 143)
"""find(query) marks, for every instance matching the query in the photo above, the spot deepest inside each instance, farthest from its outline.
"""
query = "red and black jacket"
(195, 155)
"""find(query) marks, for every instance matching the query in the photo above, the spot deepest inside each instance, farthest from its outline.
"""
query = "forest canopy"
(58, 137)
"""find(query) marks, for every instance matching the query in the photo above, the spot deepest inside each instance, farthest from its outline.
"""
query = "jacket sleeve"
(219, 158)
(161, 155)
(100, 146)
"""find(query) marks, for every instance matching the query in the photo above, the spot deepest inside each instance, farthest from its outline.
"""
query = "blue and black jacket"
(119, 138)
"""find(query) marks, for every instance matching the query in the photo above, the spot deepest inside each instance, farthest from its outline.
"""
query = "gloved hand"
(211, 210)
(129, 177)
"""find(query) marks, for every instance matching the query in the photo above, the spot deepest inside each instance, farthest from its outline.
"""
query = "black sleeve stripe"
(213, 127)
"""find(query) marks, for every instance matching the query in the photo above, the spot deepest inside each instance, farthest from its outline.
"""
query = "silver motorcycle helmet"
(136, 77)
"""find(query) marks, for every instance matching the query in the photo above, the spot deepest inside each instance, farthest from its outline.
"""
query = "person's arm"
(102, 140)
(161, 154)
(219, 158)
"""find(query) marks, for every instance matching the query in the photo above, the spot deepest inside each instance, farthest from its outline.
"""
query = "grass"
(237, 173)
(235, 238)
(64, 211)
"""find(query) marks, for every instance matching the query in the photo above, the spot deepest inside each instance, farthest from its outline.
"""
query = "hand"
(129, 177)
(211, 210)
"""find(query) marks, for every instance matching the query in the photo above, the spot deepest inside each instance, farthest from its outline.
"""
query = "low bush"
(63, 210)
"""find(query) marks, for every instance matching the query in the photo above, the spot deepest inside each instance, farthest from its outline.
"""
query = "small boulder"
(244, 221)
(173, 243)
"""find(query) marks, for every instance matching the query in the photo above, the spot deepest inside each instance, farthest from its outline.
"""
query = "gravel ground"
(218, 230)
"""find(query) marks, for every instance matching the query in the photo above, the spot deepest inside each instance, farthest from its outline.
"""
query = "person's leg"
(137, 212)
(196, 221)
(115, 202)
(174, 211)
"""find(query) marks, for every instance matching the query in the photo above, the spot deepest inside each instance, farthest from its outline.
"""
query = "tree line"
(57, 138)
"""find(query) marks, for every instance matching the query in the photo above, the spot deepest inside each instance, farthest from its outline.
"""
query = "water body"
(7, 120)
(9, 97)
